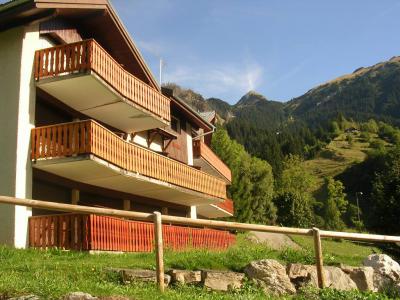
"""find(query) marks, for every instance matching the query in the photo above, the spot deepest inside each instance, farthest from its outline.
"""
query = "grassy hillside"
(53, 273)
(339, 155)
(371, 92)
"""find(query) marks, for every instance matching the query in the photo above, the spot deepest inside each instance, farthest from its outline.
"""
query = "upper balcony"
(208, 161)
(87, 152)
(85, 77)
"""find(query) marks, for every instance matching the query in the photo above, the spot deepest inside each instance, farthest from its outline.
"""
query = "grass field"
(337, 156)
(53, 273)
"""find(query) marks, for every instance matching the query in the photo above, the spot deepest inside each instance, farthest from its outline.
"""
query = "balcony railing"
(89, 137)
(88, 55)
(201, 150)
(227, 205)
(92, 232)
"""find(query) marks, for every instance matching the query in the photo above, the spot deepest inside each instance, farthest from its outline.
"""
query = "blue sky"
(279, 48)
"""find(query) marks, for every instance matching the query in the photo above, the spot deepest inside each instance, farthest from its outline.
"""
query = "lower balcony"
(102, 233)
(221, 210)
(87, 152)
(208, 161)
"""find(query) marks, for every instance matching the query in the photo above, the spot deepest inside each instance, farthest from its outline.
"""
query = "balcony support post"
(159, 250)
(127, 204)
(75, 196)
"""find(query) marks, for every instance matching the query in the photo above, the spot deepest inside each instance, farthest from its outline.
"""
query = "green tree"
(295, 178)
(335, 205)
(385, 207)
(252, 186)
(371, 126)
(294, 209)
(294, 199)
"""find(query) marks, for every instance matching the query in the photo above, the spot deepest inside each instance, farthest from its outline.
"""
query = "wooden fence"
(92, 232)
(158, 219)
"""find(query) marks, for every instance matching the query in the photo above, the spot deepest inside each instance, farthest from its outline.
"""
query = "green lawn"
(53, 273)
(336, 252)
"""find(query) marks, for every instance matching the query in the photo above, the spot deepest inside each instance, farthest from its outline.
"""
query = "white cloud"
(217, 80)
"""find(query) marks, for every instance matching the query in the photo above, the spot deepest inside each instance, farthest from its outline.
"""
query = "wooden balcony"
(220, 210)
(102, 233)
(87, 152)
(208, 161)
(85, 77)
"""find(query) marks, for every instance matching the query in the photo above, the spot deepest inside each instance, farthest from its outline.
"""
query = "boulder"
(271, 276)
(386, 270)
(130, 275)
(26, 297)
(363, 277)
(302, 275)
(185, 277)
(221, 280)
(114, 298)
(79, 296)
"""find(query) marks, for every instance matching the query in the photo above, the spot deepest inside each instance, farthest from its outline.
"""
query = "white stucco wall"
(17, 116)
(141, 139)
(189, 143)
(193, 212)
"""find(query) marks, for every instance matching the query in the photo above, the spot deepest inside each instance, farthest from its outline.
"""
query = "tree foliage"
(294, 199)
(252, 188)
(335, 206)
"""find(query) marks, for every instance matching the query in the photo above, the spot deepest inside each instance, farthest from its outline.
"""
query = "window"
(175, 124)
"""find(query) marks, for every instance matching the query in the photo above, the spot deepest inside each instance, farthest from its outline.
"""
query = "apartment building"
(84, 121)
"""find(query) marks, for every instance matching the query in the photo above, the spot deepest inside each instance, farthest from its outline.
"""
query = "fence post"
(318, 258)
(159, 250)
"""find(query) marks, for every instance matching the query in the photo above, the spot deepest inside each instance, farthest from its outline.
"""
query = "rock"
(130, 275)
(115, 298)
(221, 280)
(79, 296)
(185, 277)
(27, 297)
(271, 276)
(276, 241)
(363, 277)
(387, 271)
(335, 278)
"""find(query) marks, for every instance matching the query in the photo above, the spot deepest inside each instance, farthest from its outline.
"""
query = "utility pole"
(161, 65)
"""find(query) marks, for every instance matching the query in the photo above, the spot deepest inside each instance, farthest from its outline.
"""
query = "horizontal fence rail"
(196, 222)
(201, 150)
(159, 231)
(89, 137)
(88, 55)
(103, 233)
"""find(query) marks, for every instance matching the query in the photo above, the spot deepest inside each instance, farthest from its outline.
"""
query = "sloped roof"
(106, 23)
(208, 115)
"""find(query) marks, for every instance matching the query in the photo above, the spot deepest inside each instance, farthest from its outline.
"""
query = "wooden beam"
(75, 196)
(127, 204)
(159, 251)
(319, 263)
(195, 222)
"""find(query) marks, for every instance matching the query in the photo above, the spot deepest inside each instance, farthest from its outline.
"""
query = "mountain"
(259, 112)
(368, 92)
(271, 130)
(371, 92)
